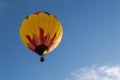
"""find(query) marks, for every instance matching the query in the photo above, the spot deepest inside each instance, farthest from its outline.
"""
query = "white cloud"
(96, 73)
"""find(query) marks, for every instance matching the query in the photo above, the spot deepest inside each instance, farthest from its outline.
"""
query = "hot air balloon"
(41, 32)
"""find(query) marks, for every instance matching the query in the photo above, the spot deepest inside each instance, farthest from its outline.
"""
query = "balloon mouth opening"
(40, 49)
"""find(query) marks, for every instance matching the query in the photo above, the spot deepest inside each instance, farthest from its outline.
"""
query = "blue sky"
(91, 37)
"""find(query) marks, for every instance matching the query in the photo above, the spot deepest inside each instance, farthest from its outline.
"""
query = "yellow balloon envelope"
(41, 32)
